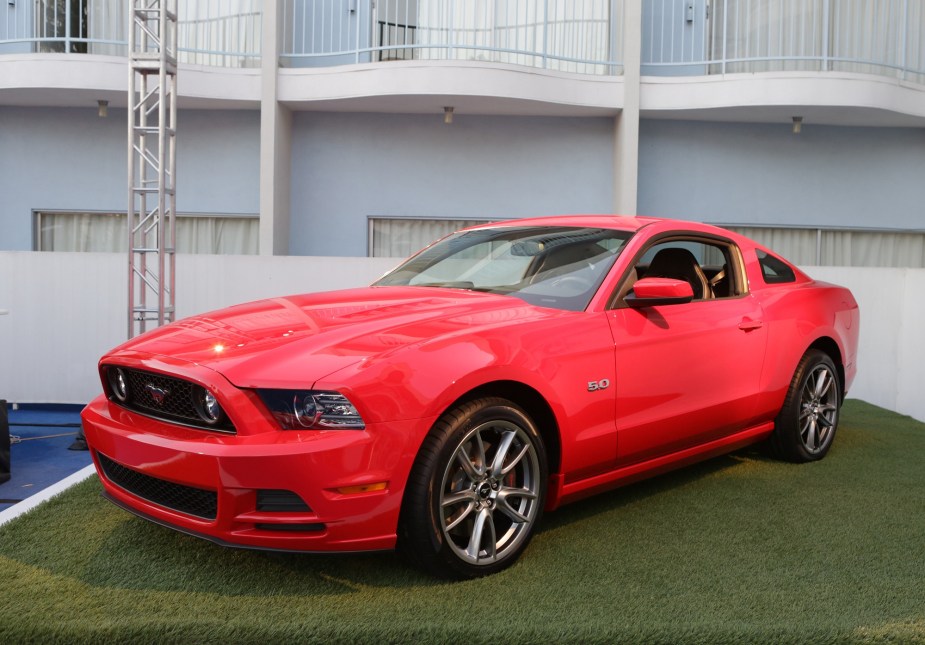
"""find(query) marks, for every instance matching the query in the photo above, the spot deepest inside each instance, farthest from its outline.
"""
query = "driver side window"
(707, 266)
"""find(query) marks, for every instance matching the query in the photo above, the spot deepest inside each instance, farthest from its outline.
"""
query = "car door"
(687, 374)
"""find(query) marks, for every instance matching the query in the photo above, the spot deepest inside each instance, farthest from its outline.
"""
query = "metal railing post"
(545, 33)
(67, 27)
(904, 41)
(826, 30)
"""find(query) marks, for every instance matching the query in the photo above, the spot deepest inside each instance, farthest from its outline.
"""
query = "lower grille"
(281, 501)
(184, 499)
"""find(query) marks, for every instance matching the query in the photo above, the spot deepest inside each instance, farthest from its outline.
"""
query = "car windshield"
(558, 267)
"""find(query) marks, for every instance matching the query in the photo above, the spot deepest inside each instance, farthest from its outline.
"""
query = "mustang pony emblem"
(157, 393)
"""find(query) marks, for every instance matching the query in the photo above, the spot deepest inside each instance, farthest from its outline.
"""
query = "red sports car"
(499, 373)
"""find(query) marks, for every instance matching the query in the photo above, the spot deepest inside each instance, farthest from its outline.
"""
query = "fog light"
(210, 404)
(118, 383)
(207, 406)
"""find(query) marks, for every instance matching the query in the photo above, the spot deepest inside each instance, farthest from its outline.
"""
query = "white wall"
(67, 309)
(347, 167)
(763, 174)
(73, 160)
(891, 361)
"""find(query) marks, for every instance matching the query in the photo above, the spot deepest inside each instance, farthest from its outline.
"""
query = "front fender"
(557, 358)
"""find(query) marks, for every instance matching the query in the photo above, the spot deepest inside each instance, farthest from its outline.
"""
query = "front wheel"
(805, 428)
(476, 491)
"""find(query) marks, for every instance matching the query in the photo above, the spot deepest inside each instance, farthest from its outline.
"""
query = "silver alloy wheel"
(489, 493)
(818, 409)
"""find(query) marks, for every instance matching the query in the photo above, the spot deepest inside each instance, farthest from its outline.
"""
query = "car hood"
(294, 341)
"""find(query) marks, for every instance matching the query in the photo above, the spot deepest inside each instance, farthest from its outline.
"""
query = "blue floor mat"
(39, 455)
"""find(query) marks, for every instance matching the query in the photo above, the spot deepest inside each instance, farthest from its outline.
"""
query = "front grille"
(175, 403)
(185, 499)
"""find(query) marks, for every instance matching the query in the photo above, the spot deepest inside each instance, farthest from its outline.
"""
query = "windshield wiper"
(448, 285)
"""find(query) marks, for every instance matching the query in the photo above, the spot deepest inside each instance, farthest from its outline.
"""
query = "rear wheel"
(805, 428)
(476, 491)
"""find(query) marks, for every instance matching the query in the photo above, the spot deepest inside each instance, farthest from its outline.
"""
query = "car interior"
(678, 260)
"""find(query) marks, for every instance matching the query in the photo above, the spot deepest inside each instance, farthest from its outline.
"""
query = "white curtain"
(399, 238)
(865, 36)
(107, 20)
(873, 249)
(765, 30)
(795, 244)
(832, 247)
(105, 232)
(519, 32)
(915, 41)
(224, 33)
(867, 30)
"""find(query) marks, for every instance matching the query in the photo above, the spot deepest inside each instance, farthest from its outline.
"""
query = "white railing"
(209, 32)
(582, 36)
(885, 37)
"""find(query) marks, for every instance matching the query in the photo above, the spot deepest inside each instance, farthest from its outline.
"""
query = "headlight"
(207, 406)
(311, 409)
(118, 383)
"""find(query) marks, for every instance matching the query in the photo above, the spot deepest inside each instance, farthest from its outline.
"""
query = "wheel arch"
(533, 403)
(829, 346)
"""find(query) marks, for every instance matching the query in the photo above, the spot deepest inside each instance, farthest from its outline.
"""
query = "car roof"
(617, 222)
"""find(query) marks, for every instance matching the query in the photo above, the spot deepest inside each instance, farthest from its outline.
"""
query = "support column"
(275, 141)
(626, 124)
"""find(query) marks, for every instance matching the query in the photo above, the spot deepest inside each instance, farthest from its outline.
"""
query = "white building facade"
(365, 128)
(316, 127)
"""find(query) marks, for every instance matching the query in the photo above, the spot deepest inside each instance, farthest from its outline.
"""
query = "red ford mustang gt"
(503, 371)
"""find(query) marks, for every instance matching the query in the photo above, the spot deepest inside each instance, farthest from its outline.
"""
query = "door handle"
(750, 325)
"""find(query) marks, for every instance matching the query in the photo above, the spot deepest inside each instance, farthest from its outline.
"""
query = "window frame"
(39, 213)
(736, 266)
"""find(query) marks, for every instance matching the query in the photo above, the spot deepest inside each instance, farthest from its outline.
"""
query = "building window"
(106, 233)
(397, 237)
(841, 247)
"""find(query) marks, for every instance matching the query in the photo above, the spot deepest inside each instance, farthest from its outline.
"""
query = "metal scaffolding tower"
(152, 101)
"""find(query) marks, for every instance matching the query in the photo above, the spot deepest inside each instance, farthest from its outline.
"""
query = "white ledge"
(80, 80)
(835, 98)
(473, 87)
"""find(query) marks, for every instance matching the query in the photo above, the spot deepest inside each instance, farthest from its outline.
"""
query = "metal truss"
(152, 102)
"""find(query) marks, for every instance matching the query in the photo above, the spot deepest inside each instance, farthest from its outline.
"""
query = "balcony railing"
(680, 37)
(581, 36)
(209, 32)
(884, 37)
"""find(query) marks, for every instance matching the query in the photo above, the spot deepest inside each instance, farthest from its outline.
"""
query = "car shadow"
(630, 494)
(139, 555)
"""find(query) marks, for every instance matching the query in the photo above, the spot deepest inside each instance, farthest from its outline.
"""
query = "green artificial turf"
(737, 549)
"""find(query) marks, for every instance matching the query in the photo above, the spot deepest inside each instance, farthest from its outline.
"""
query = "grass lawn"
(737, 549)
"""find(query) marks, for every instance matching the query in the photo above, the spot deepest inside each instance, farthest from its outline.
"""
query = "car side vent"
(281, 501)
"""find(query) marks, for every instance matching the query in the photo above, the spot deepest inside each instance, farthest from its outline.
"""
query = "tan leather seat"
(680, 264)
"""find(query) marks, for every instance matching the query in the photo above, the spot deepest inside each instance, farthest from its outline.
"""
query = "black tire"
(476, 491)
(805, 427)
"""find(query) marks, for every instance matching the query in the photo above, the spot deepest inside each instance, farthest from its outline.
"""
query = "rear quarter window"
(774, 270)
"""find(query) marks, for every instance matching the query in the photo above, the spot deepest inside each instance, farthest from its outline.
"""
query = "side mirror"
(651, 292)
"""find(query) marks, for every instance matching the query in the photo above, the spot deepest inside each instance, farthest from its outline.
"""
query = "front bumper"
(135, 455)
